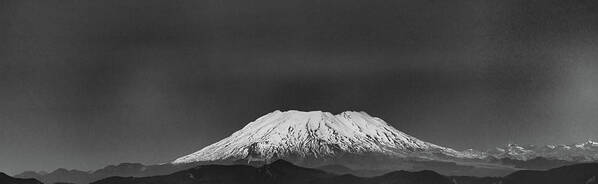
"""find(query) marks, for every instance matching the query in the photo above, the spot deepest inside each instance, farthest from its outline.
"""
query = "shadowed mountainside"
(124, 169)
(284, 172)
(580, 173)
(444, 168)
(5, 179)
(278, 172)
(537, 163)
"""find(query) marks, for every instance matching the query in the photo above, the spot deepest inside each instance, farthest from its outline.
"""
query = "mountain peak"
(313, 111)
(308, 135)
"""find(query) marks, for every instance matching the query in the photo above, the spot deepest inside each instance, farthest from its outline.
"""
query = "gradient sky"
(84, 84)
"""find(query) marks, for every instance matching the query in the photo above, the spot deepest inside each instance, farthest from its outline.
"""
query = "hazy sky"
(84, 84)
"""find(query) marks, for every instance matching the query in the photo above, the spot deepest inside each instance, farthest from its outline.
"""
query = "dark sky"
(84, 84)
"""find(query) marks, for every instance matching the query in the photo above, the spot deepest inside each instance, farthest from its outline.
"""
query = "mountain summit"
(317, 135)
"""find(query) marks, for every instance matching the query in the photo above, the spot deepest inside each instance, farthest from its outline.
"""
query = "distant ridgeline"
(282, 172)
(5, 179)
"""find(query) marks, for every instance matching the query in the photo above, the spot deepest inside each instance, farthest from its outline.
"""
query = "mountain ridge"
(6, 179)
(577, 152)
(281, 171)
(62, 175)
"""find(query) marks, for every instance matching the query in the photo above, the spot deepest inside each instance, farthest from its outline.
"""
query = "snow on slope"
(316, 135)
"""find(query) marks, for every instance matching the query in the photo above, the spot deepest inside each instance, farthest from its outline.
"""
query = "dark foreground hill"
(279, 172)
(282, 172)
(580, 173)
(5, 179)
(124, 169)
(139, 170)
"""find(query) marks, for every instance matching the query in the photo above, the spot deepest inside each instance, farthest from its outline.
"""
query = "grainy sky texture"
(84, 84)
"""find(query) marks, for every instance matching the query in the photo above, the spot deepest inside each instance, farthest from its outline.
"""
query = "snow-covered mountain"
(316, 135)
(581, 152)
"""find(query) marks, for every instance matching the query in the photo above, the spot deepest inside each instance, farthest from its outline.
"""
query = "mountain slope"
(304, 136)
(579, 173)
(5, 179)
(403, 177)
(586, 173)
(123, 169)
(278, 172)
(282, 172)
